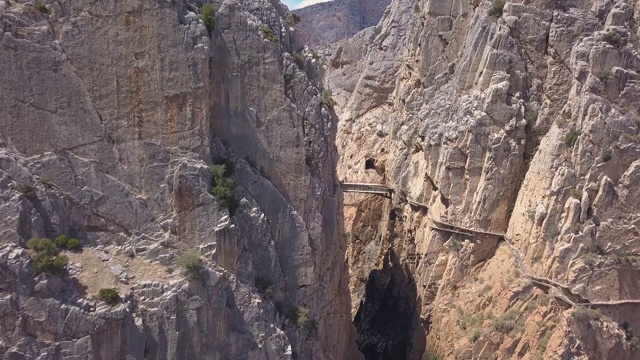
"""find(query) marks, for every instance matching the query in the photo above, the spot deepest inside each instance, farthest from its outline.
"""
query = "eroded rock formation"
(110, 115)
(328, 22)
(519, 120)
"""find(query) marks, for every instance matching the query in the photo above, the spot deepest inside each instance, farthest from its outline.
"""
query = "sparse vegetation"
(223, 187)
(265, 286)
(496, 8)
(26, 190)
(416, 9)
(47, 258)
(376, 31)
(606, 75)
(109, 296)
(530, 118)
(614, 39)
(634, 342)
(46, 183)
(586, 314)
(554, 232)
(507, 322)
(572, 137)
(327, 98)
(544, 341)
(42, 7)
(298, 315)
(576, 193)
(296, 18)
(192, 263)
(209, 16)
(476, 335)
(299, 60)
(606, 155)
(268, 33)
(485, 290)
(63, 242)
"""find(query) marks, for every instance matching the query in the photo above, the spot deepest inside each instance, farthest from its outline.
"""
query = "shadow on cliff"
(389, 315)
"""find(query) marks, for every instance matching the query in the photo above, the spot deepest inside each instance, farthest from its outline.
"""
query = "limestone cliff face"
(329, 22)
(112, 113)
(519, 120)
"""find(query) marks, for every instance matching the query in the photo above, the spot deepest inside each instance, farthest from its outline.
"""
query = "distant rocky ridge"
(332, 21)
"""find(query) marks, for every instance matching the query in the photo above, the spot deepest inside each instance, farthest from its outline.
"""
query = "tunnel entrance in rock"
(388, 315)
(370, 163)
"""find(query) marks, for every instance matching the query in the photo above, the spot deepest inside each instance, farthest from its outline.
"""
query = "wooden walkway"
(562, 292)
(366, 188)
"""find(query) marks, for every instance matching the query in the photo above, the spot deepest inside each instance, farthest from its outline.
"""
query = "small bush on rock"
(496, 8)
(265, 286)
(192, 264)
(299, 60)
(268, 33)
(327, 98)
(572, 137)
(223, 187)
(614, 39)
(296, 18)
(42, 7)
(109, 296)
(208, 16)
(27, 191)
(47, 258)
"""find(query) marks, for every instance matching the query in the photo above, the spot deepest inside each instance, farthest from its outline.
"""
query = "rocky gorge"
(458, 180)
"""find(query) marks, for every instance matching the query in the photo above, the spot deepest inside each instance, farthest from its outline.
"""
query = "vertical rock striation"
(516, 120)
(111, 113)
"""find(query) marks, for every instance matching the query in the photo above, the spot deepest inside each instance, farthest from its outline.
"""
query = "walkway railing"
(563, 292)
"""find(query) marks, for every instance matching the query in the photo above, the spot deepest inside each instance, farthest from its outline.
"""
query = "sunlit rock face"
(110, 115)
(517, 123)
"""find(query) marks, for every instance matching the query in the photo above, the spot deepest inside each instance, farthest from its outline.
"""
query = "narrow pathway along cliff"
(519, 118)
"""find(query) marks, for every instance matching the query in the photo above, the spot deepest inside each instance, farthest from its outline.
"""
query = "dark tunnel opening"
(388, 315)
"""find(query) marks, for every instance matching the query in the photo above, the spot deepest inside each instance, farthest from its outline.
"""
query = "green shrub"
(109, 296)
(496, 8)
(192, 264)
(46, 183)
(300, 316)
(614, 39)
(572, 137)
(585, 314)
(554, 232)
(327, 98)
(47, 258)
(265, 286)
(43, 246)
(218, 171)
(27, 191)
(530, 117)
(268, 33)
(506, 323)
(223, 187)
(63, 242)
(42, 7)
(73, 244)
(296, 18)
(476, 336)
(606, 75)
(299, 60)
(208, 16)
(606, 155)
(576, 193)
(44, 263)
